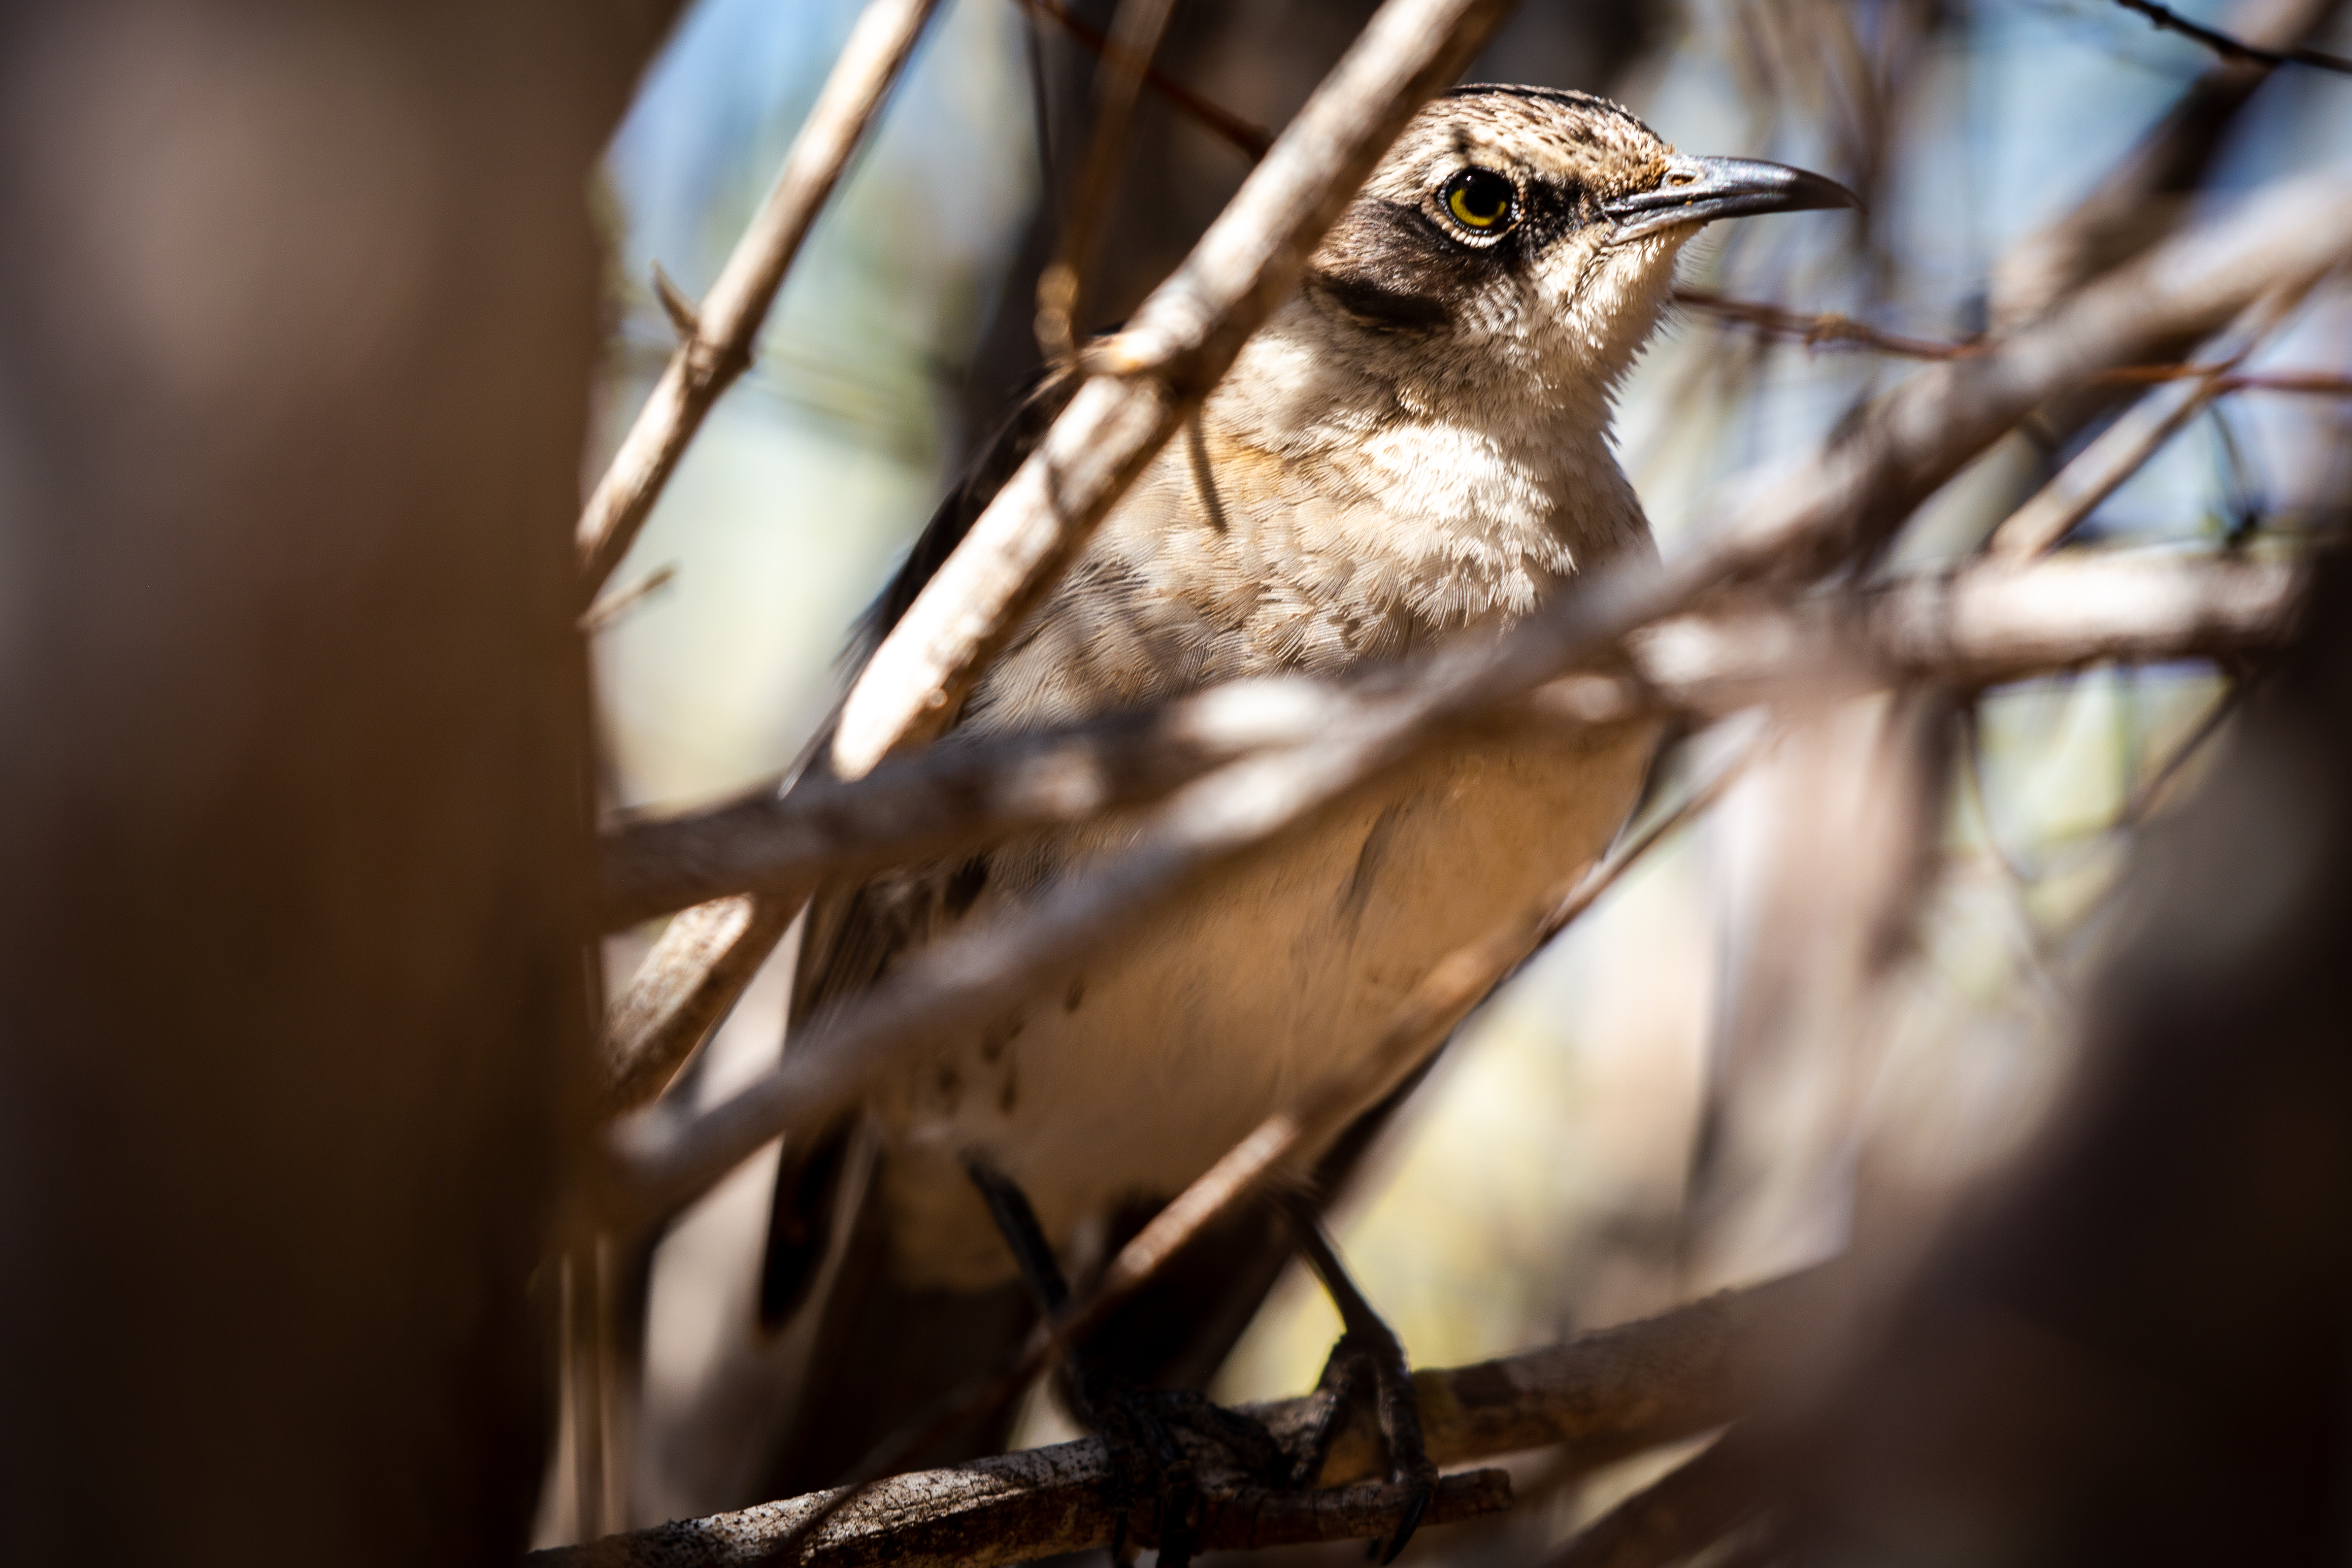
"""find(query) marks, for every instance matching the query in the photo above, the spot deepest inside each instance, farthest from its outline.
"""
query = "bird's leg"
(1135, 1423)
(1368, 1350)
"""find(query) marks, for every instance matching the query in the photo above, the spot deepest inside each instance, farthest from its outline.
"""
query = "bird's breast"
(1133, 1077)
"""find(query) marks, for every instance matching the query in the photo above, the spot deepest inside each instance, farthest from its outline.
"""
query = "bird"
(1413, 449)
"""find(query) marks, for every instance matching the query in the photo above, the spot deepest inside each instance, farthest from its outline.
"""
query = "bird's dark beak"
(1700, 190)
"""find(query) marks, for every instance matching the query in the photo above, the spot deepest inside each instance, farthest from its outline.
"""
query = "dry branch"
(1601, 1396)
(1975, 630)
(1841, 507)
(1181, 342)
(719, 348)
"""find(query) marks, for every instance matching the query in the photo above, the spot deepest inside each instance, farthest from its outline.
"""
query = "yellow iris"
(1479, 198)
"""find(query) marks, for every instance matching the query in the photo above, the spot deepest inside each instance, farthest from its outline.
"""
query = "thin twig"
(1976, 628)
(1136, 28)
(602, 615)
(1833, 510)
(1601, 1396)
(718, 349)
(1249, 137)
(1815, 329)
(2165, 19)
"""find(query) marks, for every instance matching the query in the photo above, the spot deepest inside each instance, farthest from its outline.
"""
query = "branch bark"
(1601, 1396)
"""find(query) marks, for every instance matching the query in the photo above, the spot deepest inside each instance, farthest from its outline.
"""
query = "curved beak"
(1700, 190)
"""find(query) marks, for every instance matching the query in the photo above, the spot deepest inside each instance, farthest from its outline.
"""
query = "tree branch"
(720, 348)
(1978, 628)
(1602, 1395)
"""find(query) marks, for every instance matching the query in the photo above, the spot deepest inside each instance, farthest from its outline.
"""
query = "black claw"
(1410, 1522)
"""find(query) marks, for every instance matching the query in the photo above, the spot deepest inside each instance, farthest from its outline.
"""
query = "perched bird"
(1414, 448)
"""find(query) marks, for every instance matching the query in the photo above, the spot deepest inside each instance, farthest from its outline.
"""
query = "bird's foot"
(1371, 1365)
(1368, 1362)
(1142, 1428)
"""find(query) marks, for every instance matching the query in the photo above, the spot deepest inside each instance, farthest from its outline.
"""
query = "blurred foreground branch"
(1979, 628)
(1600, 1396)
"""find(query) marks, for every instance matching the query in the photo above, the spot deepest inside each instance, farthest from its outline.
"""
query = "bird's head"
(1523, 239)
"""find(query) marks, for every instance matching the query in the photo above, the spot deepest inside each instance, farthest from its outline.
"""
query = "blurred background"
(1664, 1102)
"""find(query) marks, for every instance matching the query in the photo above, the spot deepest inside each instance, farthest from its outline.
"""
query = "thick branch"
(720, 348)
(1977, 629)
(1602, 1395)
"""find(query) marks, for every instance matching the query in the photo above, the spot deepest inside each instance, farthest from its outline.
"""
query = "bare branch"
(2165, 19)
(1602, 1395)
(718, 349)
(608, 610)
(2125, 445)
(1975, 629)
(684, 986)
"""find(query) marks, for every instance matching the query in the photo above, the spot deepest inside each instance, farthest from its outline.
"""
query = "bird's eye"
(1480, 200)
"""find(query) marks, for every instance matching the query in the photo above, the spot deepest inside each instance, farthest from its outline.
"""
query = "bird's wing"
(853, 930)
